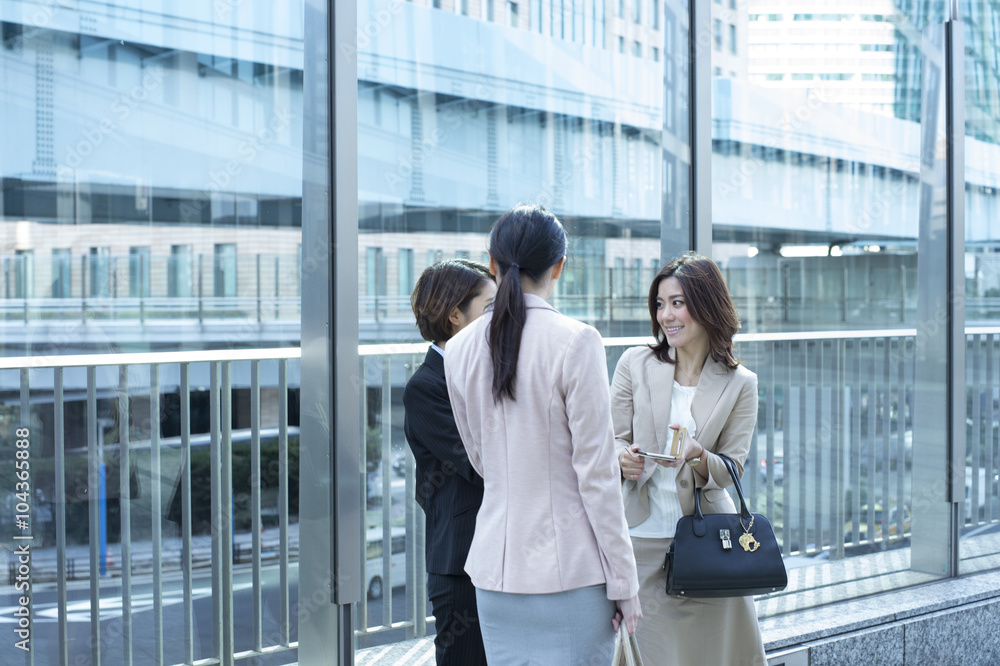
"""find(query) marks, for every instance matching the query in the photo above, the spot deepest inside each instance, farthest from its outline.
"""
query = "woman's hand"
(692, 449)
(630, 463)
(628, 610)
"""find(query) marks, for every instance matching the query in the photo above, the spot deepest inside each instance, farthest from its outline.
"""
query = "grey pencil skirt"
(571, 628)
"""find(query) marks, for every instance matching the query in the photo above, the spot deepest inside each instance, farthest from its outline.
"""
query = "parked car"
(777, 461)
(374, 582)
(876, 531)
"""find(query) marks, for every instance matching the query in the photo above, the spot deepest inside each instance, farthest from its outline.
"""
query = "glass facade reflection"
(152, 201)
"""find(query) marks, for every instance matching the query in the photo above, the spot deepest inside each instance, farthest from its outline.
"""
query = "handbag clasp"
(726, 543)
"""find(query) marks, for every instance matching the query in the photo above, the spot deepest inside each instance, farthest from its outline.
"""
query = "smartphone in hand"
(657, 456)
(674, 452)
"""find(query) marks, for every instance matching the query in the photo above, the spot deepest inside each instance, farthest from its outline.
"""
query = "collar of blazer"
(660, 380)
(434, 361)
(533, 301)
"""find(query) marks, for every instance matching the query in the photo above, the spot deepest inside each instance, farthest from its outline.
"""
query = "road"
(45, 626)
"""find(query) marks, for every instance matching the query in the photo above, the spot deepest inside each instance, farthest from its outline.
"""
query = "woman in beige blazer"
(689, 379)
(551, 557)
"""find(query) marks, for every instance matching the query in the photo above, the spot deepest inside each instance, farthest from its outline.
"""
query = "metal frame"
(939, 417)
(700, 81)
(330, 453)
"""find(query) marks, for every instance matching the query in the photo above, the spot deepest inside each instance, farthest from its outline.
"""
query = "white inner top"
(664, 507)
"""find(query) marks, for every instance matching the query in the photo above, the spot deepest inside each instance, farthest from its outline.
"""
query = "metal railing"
(140, 513)
(830, 463)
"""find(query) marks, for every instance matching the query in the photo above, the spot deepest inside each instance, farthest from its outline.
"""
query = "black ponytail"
(527, 240)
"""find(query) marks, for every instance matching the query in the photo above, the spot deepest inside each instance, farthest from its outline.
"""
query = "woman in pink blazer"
(551, 557)
(689, 379)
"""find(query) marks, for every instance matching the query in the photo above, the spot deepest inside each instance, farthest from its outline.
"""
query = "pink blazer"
(552, 516)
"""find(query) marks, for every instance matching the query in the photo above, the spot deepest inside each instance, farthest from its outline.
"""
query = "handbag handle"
(699, 517)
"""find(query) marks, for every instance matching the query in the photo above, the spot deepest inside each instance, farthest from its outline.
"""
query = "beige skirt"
(680, 632)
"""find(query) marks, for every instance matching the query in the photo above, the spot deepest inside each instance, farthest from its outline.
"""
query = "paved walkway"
(407, 653)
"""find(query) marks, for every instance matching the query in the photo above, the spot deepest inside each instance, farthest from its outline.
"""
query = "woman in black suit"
(449, 295)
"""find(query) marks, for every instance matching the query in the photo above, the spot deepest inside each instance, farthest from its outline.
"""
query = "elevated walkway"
(952, 621)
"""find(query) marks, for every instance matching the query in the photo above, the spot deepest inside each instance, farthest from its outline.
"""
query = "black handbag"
(724, 554)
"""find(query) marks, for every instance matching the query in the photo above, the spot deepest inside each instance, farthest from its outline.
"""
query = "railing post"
(258, 289)
(83, 288)
(200, 288)
(142, 289)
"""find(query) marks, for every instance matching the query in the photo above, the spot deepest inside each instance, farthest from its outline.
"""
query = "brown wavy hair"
(709, 302)
(441, 288)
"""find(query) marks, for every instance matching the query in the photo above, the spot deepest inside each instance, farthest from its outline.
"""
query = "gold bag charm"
(749, 543)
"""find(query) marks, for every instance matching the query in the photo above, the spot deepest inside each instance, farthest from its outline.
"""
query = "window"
(621, 44)
(62, 264)
(100, 272)
(655, 54)
(24, 270)
(637, 49)
(717, 34)
(637, 11)
(179, 272)
(620, 8)
(138, 272)
(638, 279)
(655, 11)
(489, 10)
(512, 14)
(732, 39)
(436, 4)
(224, 270)
(405, 270)
(463, 7)
(375, 272)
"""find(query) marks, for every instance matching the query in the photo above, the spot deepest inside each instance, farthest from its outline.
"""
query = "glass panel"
(816, 168)
(979, 543)
(461, 118)
(142, 140)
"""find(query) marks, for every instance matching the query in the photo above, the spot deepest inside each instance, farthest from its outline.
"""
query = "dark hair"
(441, 288)
(708, 301)
(526, 240)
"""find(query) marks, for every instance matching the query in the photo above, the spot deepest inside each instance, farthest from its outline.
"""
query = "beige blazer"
(552, 517)
(725, 412)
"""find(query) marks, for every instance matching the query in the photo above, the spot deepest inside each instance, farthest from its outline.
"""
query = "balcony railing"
(830, 463)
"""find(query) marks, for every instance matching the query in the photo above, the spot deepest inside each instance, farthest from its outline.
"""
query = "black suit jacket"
(448, 489)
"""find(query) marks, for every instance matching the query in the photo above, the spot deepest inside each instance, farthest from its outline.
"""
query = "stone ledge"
(870, 612)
